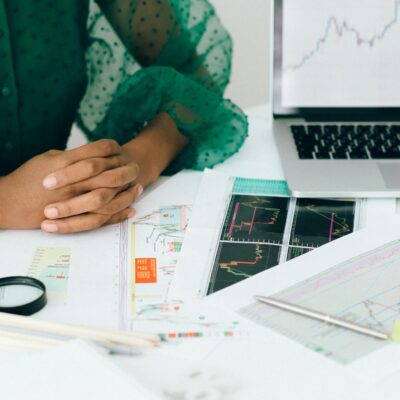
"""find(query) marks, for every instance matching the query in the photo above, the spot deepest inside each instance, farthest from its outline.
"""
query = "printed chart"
(51, 265)
(177, 321)
(319, 221)
(364, 290)
(156, 240)
(255, 219)
(238, 262)
(260, 232)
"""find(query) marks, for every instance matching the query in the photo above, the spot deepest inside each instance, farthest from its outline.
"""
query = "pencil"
(97, 335)
(328, 319)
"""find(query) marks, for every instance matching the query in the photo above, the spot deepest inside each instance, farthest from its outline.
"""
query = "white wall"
(249, 23)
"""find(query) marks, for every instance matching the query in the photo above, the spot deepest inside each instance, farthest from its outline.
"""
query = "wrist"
(155, 147)
(148, 171)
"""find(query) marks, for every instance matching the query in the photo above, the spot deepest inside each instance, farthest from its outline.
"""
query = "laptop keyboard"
(347, 141)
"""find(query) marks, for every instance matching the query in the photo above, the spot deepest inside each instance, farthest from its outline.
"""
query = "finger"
(80, 204)
(121, 216)
(100, 148)
(79, 223)
(113, 178)
(80, 171)
(121, 201)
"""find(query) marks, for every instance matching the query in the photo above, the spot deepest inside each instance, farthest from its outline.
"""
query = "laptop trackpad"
(391, 174)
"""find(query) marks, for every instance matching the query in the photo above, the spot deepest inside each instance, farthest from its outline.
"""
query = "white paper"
(81, 272)
(373, 367)
(153, 244)
(72, 371)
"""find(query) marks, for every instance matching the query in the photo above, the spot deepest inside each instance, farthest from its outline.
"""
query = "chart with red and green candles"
(262, 231)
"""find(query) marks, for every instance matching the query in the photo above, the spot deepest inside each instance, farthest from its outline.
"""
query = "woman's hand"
(93, 185)
(23, 196)
(106, 188)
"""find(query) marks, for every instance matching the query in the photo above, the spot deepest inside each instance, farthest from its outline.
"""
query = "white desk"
(234, 369)
(241, 362)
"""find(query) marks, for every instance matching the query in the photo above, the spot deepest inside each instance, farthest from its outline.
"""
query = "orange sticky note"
(145, 270)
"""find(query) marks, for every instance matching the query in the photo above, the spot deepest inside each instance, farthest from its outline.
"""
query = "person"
(143, 79)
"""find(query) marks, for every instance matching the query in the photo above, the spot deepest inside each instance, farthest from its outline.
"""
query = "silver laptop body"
(337, 132)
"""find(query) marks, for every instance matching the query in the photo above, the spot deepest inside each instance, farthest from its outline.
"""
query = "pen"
(328, 319)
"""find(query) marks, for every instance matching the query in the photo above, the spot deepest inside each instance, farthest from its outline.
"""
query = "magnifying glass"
(22, 295)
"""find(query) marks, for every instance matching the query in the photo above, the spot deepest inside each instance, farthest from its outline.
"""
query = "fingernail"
(139, 190)
(51, 212)
(49, 182)
(131, 214)
(49, 227)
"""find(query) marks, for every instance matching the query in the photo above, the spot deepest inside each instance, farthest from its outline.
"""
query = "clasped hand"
(76, 190)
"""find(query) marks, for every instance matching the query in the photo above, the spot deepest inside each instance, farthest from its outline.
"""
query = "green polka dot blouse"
(112, 66)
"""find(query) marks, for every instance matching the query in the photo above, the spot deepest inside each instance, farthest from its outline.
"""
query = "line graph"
(238, 261)
(364, 290)
(335, 27)
(319, 221)
(156, 241)
(259, 232)
(341, 54)
(255, 219)
(166, 227)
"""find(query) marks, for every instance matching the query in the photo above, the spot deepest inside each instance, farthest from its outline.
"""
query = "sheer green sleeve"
(151, 56)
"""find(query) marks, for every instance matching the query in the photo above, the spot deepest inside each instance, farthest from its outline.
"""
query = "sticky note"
(396, 331)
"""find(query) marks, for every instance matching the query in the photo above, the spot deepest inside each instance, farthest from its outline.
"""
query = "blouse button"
(1, 33)
(5, 91)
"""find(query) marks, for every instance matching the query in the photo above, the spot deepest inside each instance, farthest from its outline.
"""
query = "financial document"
(151, 246)
(241, 227)
(120, 276)
(364, 290)
(81, 272)
(355, 278)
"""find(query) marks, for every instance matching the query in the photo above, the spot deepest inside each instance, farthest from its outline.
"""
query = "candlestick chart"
(255, 219)
(236, 262)
(319, 221)
(260, 232)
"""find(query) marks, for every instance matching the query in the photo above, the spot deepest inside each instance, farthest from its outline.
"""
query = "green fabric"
(112, 66)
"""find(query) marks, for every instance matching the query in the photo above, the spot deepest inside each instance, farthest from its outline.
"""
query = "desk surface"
(242, 360)
(234, 369)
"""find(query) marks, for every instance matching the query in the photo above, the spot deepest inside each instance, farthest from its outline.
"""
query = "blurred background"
(249, 22)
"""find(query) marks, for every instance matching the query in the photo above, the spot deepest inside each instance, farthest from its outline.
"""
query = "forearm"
(156, 147)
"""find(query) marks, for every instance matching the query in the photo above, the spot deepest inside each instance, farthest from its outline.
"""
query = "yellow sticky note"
(396, 331)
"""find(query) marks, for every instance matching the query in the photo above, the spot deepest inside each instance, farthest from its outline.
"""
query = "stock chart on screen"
(341, 53)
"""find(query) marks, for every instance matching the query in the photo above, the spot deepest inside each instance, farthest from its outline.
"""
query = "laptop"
(336, 96)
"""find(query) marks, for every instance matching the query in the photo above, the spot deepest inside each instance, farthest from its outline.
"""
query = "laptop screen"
(338, 53)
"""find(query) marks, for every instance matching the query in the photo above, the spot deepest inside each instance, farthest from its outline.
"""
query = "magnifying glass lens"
(22, 295)
(18, 295)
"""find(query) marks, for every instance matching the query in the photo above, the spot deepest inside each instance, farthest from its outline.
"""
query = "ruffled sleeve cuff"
(215, 127)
